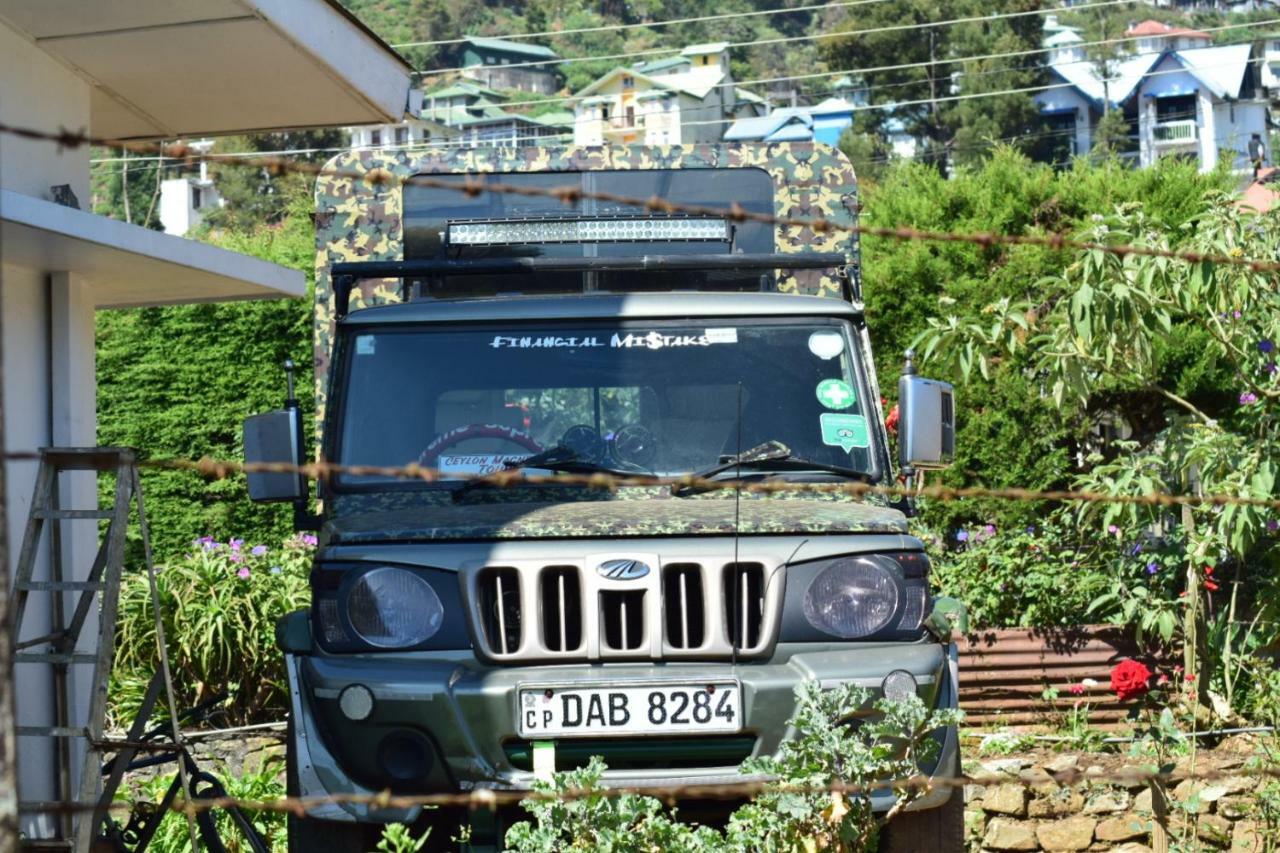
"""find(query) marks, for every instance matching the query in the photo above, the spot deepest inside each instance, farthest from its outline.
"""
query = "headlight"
(851, 598)
(392, 608)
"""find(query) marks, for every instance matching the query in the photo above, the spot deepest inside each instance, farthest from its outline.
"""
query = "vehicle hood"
(535, 514)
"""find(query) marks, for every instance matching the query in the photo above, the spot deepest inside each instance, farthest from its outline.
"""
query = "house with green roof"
(686, 98)
(506, 64)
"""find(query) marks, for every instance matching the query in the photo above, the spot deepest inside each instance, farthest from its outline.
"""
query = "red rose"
(891, 422)
(1129, 679)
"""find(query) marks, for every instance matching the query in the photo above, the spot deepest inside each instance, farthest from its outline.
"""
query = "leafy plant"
(396, 838)
(219, 604)
(262, 783)
(836, 744)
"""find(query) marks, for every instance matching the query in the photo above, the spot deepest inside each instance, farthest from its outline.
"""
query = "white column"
(73, 423)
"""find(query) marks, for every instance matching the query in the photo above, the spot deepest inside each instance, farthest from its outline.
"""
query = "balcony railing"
(1175, 132)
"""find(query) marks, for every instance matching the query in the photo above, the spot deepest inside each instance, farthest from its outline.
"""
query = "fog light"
(406, 757)
(898, 685)
(356, 702)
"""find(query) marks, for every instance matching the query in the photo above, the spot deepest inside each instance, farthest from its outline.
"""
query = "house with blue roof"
(823, 122)
(1199, 102)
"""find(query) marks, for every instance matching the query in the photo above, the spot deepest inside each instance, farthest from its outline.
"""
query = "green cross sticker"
(845, 431)
(836, 394)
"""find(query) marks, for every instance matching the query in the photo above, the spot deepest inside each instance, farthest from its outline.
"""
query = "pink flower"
(1076, 689)
(243, 574)
(310, 540)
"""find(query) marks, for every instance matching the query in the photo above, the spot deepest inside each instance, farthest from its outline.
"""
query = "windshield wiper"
(559, 459)
(770, 456)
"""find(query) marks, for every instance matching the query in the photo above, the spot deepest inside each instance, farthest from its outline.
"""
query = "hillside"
(400, 21)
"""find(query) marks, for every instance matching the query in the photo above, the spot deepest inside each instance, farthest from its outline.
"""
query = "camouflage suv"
(464, 635)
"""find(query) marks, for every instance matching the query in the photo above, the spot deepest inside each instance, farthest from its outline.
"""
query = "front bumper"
(467, 712)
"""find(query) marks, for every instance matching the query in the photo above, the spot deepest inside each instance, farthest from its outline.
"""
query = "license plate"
(630, 709)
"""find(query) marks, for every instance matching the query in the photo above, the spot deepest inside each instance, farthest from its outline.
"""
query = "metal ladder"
(58, 647)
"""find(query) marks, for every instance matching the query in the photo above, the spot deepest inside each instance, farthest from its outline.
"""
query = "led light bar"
(666, 230)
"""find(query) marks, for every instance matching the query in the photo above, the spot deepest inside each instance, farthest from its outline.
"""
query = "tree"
(1099, 331)
(127, 187)
(950, 131)
(256, 196)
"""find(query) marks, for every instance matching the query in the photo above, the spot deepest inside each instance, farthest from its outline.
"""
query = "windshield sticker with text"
(649, 340)
(478, 463)
(845, 431)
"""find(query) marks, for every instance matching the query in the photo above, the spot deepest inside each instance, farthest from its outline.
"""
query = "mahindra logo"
(622, 570)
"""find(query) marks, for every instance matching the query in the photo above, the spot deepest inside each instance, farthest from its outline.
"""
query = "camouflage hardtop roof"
(362, 220)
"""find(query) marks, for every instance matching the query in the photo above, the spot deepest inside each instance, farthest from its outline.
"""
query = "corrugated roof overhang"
(127, 265)
(182, 68)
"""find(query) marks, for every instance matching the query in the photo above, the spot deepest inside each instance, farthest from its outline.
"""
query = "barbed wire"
(221, 469)
(476, 183)
(490, 798)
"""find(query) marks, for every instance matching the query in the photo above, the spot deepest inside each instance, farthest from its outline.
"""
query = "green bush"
(178, 382)
(797, 810)
(262, 784)
(219, 604)
(1009, 432)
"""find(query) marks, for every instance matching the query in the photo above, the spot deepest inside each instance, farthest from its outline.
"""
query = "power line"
(790, 39)
(871, 70)
(904, 66)
(649, 25)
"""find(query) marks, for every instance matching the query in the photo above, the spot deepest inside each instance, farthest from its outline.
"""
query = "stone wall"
(1033, 812)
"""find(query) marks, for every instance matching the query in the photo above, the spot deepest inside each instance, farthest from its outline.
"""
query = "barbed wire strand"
(476, 183)
(221, 469)
(490, 798)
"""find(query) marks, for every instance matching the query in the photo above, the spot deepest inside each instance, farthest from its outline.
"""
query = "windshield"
(663, 398)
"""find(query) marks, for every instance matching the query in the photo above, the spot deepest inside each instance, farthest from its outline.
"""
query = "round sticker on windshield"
(826, 345)
(836, 394)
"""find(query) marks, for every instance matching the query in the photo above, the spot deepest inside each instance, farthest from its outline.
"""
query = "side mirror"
(926, 422)
(274, 437)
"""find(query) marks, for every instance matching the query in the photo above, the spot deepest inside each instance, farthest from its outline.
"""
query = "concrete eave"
(130, 266)
(182, 68)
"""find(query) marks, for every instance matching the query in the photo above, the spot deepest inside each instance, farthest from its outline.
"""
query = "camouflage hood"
(535, 514)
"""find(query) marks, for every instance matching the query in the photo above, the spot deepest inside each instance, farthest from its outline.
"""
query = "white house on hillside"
(690, 98)
(1197, 102)
(128, 69)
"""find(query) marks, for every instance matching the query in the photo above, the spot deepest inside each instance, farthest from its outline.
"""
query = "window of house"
(631, 116)
(402, 135)
(197, 198)
(375, 137)
(1175, 108)
(627, 82)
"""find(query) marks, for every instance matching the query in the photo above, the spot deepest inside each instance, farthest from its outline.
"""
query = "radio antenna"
(739, 629)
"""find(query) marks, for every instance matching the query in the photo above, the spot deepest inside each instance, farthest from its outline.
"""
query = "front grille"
(681, 610)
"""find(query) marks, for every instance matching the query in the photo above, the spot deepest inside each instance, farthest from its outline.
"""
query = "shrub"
(219, 604)
(796, 811)
(1014, 578)
(262, 784)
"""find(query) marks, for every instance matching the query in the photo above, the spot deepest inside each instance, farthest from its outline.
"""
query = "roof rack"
(347, 274)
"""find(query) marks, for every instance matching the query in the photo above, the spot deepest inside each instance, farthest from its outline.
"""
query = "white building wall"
(36, 91)
(48, 376)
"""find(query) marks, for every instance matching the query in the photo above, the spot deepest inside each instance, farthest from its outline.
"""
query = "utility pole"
(8, 721)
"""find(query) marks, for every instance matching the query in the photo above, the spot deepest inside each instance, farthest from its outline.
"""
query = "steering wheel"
(457, 435)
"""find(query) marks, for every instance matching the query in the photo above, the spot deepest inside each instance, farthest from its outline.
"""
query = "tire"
(309, 834)
(937, 830)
